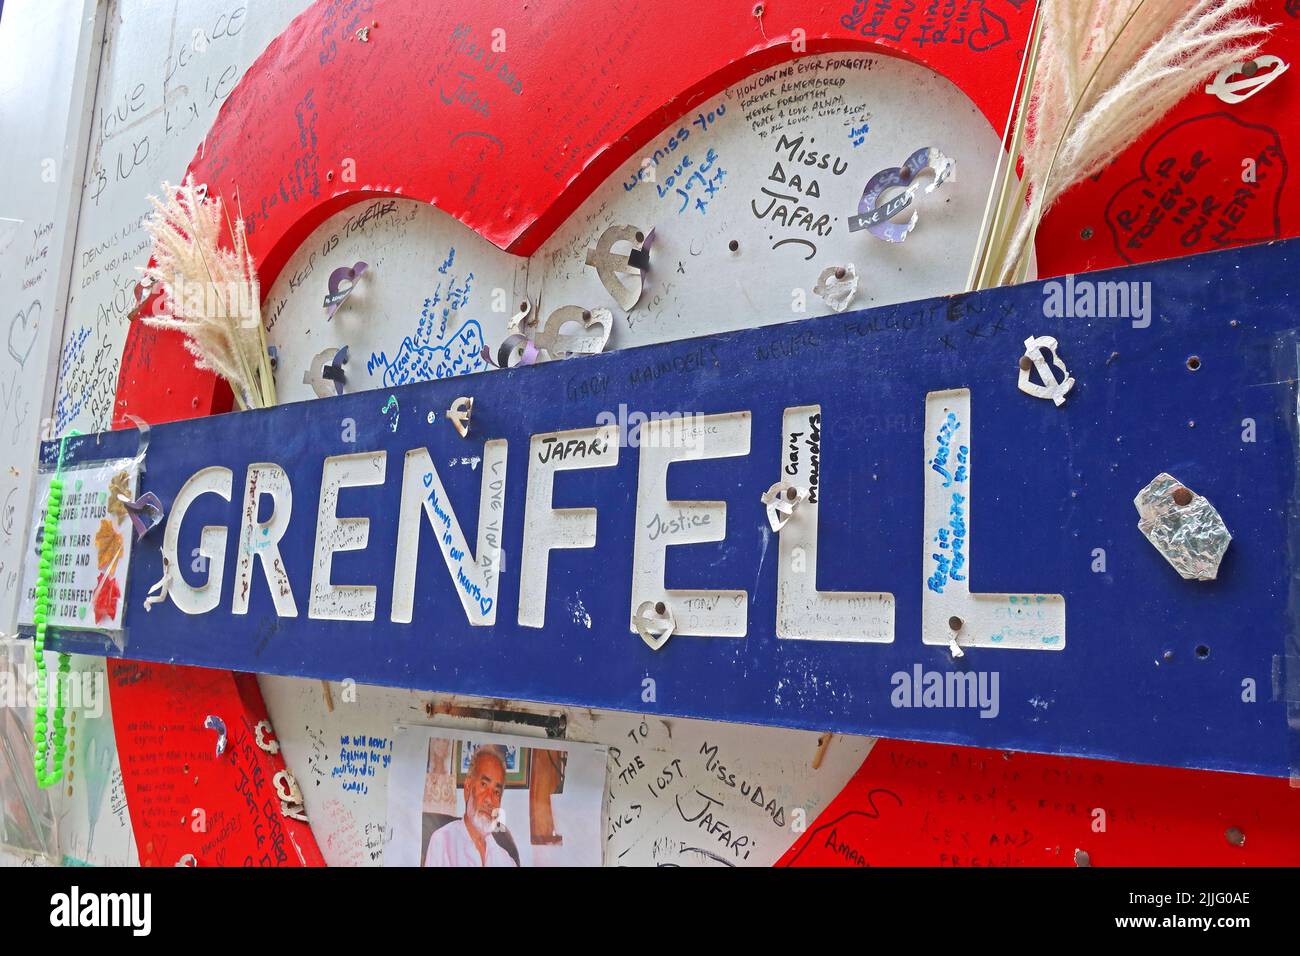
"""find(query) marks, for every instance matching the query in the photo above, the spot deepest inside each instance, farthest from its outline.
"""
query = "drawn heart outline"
(24, 323)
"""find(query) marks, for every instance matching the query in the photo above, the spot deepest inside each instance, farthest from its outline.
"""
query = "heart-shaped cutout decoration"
(655, 622)
(264, 737)
(595, 325)
(343, 281)
(875, 216)
(1241, 81)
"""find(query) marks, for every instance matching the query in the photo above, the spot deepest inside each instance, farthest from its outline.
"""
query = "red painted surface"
(1179, 189)
(508, 142)
(172, 772)
(511, 142)
(913, 804)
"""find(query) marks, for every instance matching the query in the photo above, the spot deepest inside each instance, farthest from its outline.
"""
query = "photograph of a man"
(479, 838)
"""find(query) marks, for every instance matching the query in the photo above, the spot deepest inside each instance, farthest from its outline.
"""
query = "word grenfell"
(475, 567)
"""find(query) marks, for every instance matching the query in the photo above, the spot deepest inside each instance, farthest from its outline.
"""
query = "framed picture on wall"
(458, 798)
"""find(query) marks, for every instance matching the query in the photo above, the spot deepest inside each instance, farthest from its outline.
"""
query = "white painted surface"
(167, 67)
(46, 62)
(662, 773)
(662, 523)
(804, 612)
(950, 612)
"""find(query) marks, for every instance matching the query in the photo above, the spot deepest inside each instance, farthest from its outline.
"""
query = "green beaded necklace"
(57, 737)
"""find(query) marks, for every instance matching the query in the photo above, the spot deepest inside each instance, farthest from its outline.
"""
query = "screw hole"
(955, 623)
(1202, 651)
(1193, 363)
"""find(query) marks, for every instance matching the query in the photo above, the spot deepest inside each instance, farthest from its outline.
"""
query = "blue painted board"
(1053, 484)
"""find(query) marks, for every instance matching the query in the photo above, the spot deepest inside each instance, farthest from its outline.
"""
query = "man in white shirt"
(468, 841)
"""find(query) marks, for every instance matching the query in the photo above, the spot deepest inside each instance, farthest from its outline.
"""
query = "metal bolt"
(1182, 497)
(1026, 363)
(839, 272)
(1168, 655)
(733, 245)
(661, 608)
(1081, 858)
(586, 315)
(955, 623)
(1086, 233)
(1250, 69)
(791, 494)
(640, 237)
(1235, 836)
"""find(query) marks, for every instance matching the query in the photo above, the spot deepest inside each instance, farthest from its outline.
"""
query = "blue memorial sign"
(917, 521)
